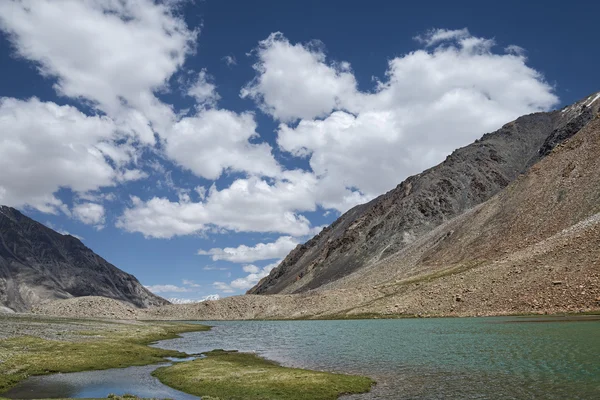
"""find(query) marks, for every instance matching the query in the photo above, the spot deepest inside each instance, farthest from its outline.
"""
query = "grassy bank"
(101, 345)
(229, 375)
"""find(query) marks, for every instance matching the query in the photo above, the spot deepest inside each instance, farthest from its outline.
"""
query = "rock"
(468, 177)
(45, 265)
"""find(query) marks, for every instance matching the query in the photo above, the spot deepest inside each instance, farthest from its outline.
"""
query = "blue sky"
(194, 144)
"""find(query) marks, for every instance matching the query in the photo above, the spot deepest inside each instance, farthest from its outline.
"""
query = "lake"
(438, 358)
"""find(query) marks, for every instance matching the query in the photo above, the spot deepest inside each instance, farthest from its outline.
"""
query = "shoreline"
(34, 345)
(573, 316)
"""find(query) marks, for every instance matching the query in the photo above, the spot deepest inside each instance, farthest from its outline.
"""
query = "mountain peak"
(38, 264)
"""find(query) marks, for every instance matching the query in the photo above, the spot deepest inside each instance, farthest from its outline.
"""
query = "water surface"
(97, 384)
(468, 358)
(445, 358)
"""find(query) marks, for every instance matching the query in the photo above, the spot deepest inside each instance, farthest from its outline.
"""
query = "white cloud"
(261, 251)
(167, 289)
(119, 53)
(217, 140)
(44, 146)
(435, 36)
(247, 205)
(251, 269)
(516, 50)
(255, 274)
(230, 60)
(131, 175)
(89, 213)
(188, 286)
(190, 283)
(213, 268)
(293, 81)
(432, 101)
(358, 143)
(204, 90)
(96, 196)
(223, 287)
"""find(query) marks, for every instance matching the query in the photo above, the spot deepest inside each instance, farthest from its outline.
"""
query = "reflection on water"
(98, 384)
(466, 358)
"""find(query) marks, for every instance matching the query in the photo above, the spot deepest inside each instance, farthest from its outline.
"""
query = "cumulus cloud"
(261, 251)
(119, 53)
(44, 146)
(204, 90)
(358, 143)
(89, 213)
(255, 274)
(251, 269)
(294, 81)
(247, 205)
(217, 140)
(432, 101)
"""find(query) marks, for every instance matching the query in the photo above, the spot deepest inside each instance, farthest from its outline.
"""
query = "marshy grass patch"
(229, 375)
(109, 346)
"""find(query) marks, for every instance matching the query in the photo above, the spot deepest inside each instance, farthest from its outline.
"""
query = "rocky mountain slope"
(533, 247)
(38, 264)
(370, 233)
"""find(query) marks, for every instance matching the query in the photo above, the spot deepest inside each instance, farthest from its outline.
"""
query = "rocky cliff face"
(38, 264)
(370, 233)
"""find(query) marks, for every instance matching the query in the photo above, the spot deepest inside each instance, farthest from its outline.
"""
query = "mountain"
(533, 247)
(370, 234)
(210, 297)
(38, 265)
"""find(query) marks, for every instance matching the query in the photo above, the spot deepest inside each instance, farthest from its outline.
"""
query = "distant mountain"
(210, 297)
(38, 265)
(367, 235)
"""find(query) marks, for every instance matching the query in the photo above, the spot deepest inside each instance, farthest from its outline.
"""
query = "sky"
(195, 143)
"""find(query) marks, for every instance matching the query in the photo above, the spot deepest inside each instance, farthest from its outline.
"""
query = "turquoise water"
(452, 358)
(446, 358)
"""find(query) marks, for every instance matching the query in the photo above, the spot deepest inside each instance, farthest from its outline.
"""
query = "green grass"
(120, 345)
(229, 375)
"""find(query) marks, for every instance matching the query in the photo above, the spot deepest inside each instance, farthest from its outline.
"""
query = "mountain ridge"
(38, 264)
(371, 232)
(532, 248)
